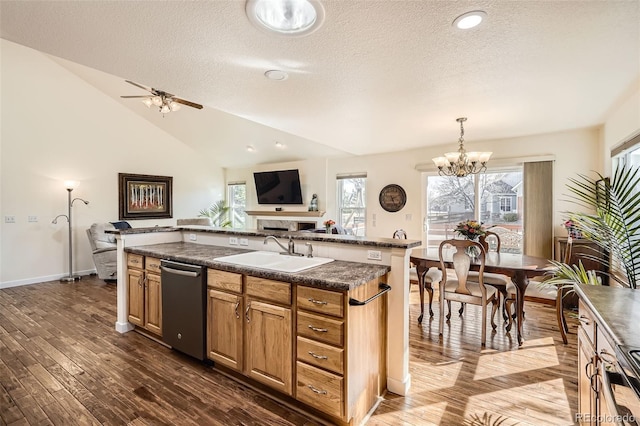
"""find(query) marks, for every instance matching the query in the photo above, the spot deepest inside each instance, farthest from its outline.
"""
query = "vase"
(472, 251)
(327, 229)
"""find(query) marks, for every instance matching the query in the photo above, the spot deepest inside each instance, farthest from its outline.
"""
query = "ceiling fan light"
(148, 102)
(156, 100)
(174, 106)
(165, 109)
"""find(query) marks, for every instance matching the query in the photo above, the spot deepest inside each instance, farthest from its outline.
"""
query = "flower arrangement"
(470, 229)
(571, 228)
(328, 224)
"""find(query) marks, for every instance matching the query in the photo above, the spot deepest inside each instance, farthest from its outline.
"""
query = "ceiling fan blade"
(148, 89)
(142, 96)
(187, 103)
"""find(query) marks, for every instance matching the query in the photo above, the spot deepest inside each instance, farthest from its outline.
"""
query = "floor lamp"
(70, 185)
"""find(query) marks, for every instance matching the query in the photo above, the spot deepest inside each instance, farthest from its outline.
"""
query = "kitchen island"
(361, 265)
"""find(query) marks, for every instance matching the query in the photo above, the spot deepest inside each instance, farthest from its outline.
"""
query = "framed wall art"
(144, 196)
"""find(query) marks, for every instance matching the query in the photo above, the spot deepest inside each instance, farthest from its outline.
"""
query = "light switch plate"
(9, 219)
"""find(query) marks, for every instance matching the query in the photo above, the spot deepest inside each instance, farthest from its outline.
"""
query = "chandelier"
(462, 163)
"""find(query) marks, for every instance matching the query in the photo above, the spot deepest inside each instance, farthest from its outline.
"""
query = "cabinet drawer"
(228, 281)
(275, 291)
(135, 261)
(319, 300)
(321, 355)
(320, 389)
(587, 322)
(152, 264)
(320, 328)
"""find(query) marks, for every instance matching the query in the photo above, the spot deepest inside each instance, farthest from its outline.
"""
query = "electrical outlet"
(233, 241)
(407, 217)
(32, 218)
(244, 242)
(9, 219)
(374, 255)
(193, 237)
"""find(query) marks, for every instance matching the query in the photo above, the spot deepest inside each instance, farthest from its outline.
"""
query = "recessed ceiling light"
(469, 20)
(276, 75)
(286, 17)
(279, 145)
(250, 148)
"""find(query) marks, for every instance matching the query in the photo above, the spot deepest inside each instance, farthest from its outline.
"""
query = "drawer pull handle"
(321, 330)
(318, 356)
(318, 391)
(584, 320)
(317, 302)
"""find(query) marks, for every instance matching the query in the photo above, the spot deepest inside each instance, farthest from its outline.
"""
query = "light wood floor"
(61, 362)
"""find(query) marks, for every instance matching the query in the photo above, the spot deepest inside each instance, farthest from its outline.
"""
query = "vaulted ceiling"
(377, 76)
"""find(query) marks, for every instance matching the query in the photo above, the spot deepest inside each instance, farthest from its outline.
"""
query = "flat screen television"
(278, 187)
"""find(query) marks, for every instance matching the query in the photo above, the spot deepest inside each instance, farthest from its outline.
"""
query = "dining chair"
(431, 276)
(548, 294)
(491, 242)
(456, 286)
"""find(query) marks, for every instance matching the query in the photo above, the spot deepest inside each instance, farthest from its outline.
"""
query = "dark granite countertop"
(338, 275)
(297, 235)
(617, 309)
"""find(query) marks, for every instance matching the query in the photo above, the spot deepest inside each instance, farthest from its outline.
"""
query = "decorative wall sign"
(144, 196)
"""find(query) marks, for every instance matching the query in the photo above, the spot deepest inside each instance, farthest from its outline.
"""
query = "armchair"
(103, 247)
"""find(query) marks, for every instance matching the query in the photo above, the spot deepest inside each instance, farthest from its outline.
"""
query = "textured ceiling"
(377, 76)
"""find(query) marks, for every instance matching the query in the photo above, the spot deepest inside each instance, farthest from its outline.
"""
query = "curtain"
(538, 209)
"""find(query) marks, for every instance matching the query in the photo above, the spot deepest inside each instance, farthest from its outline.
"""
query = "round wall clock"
(392, 198)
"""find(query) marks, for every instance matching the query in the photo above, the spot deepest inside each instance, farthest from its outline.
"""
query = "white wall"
(575, 152)
(48, 136)
(622, 123)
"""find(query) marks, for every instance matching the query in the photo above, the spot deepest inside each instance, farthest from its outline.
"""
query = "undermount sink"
(274, 261)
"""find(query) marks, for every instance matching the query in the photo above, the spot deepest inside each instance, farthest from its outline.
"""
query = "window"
(493, 198)
(237, 196)
(505, 204)
(351, 203)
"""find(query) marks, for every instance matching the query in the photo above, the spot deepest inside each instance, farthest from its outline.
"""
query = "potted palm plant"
(613, 224)
(219, 214)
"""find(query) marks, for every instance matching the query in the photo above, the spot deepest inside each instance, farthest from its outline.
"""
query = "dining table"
(519, 267)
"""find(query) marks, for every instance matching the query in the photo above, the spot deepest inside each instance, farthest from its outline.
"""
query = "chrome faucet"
(290, 250)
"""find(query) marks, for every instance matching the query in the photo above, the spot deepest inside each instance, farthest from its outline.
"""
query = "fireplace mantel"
(289, 213)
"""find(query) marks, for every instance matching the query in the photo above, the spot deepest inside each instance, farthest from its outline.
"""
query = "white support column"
(122, 321)
(398, 377)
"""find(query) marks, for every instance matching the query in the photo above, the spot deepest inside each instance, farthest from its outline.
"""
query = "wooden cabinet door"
(153, 304)
(224, 329)
(269, 354)
(135, 283)
(586, 368)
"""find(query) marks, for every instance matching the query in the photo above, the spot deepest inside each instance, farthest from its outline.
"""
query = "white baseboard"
(43, 279)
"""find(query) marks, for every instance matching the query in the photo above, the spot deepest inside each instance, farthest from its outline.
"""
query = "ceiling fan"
(166, 102)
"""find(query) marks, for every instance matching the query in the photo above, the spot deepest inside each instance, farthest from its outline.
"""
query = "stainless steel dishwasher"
(184, 307)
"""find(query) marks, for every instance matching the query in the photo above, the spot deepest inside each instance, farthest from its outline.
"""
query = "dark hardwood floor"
(62, 363)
